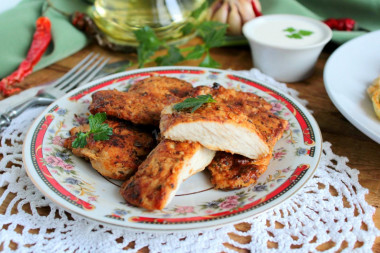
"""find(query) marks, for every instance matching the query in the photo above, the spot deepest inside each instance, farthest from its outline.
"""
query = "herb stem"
(186, 49)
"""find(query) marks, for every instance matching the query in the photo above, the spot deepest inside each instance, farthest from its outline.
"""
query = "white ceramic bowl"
(286, 47)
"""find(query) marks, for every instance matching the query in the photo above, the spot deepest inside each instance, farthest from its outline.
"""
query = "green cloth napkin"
(18, 25)
(366, 13)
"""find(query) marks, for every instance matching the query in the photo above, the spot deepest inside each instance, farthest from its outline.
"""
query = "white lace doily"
(330, 208)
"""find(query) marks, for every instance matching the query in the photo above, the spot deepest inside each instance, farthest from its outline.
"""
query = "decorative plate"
(348, 73)
(72, 183)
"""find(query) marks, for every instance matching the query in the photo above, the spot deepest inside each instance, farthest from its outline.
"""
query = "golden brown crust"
(270, 126)
(256, 108)
(235, 171)
(162, 85)
(247, 101)
(143, 102)
(374, 94)
(229, 172)
(376, 102)
(118, 157)
(158, 176)
(373, 87)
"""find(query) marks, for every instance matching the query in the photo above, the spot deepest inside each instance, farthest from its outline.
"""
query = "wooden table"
(362, 152)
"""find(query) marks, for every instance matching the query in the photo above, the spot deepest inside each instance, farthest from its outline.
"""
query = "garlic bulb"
(234, 13)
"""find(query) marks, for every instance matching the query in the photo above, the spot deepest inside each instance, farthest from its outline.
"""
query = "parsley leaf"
(100, 131)
(197, 12)
(96, 120)
(294, 34)
(80, 141)
(305, 32)
(213, 33)
(194, 103)
(174, 55)
(209, 62)
(187, 29)
(290, 29)
(196, 53)
(148, 44)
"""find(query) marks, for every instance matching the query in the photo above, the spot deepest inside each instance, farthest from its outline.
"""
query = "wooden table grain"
(346, 140)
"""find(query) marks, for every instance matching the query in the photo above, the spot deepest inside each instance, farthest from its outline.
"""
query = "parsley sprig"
(100, 131)
(194, 103)
(212, 33)
(297, 34)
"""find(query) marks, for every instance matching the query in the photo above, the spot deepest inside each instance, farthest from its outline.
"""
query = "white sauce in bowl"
(287, 31)
(286, 47)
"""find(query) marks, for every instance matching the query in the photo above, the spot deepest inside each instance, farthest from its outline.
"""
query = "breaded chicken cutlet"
(239, 126)
(256, 108)
(143, 102)
(217, 126)
(229, 172)
(233, 171)
(118, 157)
(159, 176)
(249, 102)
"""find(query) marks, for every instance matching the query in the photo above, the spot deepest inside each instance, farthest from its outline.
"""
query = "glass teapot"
(118, 19)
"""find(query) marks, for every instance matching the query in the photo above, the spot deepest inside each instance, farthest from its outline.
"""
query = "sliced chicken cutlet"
(229, 172)
(118, 157)
(256, 108)
(160, 175)
(143, 102)
(217, 126)
(247, 101)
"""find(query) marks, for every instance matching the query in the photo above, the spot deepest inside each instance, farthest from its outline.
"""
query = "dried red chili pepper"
(41, 40)
(332, 23)
(256, 10)
(349, 24)
(343, 24)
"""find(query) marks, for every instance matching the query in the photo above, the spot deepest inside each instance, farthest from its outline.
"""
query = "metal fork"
(83, 72)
